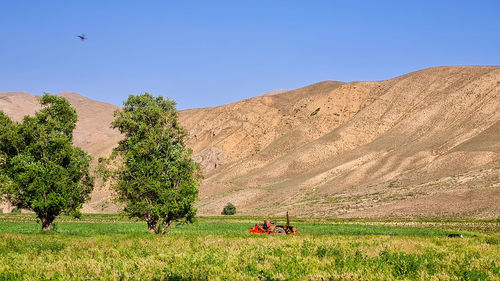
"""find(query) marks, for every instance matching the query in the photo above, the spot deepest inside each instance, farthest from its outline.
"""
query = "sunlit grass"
(232, 228)
(215, 249)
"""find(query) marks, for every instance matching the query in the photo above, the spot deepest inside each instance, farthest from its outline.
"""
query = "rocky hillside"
(422, 144)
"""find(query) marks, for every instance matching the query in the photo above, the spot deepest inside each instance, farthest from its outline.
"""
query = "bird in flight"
(82, 37)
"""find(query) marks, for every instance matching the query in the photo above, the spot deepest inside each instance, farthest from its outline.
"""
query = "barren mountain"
(274, 92)
(423, 144)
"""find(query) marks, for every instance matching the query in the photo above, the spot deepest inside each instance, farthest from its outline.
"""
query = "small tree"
(151, 170)
(229, 209)
(40, 169)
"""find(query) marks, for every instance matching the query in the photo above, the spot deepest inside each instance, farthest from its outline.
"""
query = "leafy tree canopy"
(151, 169)
(40, 169)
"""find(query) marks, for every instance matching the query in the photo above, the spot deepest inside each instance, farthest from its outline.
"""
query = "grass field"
(114, 248)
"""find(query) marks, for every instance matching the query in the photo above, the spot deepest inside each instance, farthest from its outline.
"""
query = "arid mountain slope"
(423, 144)
(392, 148)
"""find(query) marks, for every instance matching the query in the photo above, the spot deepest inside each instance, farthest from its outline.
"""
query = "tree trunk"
(152, 223)
(165, 227)
(46, 223)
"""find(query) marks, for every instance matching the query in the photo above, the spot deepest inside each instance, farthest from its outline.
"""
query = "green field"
(114, 248)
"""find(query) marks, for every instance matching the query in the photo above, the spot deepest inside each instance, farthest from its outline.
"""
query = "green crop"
(223, 250)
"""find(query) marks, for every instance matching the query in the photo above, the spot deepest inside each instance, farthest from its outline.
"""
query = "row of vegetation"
(151, 170)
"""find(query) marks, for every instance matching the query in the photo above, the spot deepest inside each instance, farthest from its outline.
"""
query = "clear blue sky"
(208, 53)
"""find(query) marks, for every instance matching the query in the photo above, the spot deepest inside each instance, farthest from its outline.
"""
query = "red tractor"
(270, 228)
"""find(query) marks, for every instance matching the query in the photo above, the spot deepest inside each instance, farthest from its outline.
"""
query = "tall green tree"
(40, 169)
(151, 169)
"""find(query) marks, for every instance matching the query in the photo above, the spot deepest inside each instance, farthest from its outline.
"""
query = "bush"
(230, 209)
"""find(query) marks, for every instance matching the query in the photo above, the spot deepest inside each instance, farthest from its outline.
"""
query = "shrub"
(229, 209)
(315, 112)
